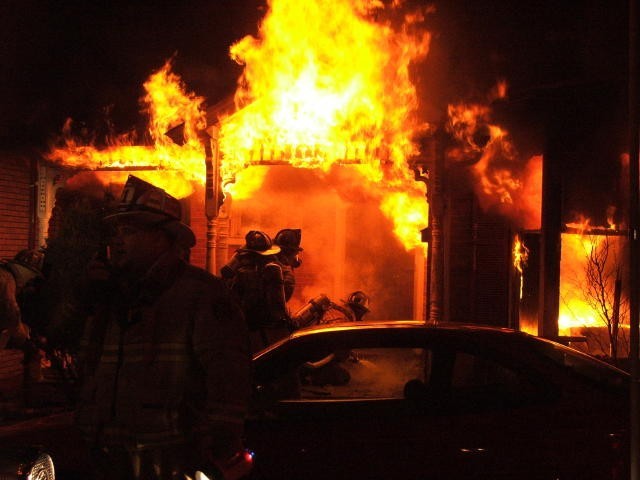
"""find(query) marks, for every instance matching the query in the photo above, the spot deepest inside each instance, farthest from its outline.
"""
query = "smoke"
(348, 243)
(96, 185)
(513, 190)
(384, 371)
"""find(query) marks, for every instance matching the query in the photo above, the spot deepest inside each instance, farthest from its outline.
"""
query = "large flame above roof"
(176, 168)
(323, 80)
(324, 83)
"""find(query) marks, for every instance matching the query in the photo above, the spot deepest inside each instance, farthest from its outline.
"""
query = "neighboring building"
(18, 202)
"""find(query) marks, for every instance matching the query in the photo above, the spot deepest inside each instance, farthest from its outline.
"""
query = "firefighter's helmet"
(358, 301)
(144, 203)
(259, 242)
(288, 239)
(33, 259)
(25, 266)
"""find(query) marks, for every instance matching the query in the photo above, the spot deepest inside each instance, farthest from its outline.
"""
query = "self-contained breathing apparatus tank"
(312, 312)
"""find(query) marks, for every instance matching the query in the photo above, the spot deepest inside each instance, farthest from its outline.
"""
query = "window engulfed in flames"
(593, 278)
(593, 301)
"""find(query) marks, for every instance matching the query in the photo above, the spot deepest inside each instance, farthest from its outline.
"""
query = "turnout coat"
(166, 362)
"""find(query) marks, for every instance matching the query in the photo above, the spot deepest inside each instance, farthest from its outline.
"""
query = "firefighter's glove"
(235, 467)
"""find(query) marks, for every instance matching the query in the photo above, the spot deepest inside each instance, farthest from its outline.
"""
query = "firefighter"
(331, 369)
(165, 363)
(255, 276)
(353, 309)
(19, 280)
(320, 310)
(358, 303)
(288, 239)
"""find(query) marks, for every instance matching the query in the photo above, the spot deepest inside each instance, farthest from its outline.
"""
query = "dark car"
(402, 400)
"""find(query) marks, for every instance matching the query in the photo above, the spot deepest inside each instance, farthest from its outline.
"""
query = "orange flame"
(576, 309)
(485, 144)
(520, 258)
(325, 84)
(499, 90)
(611, 211)
(504, 181)
(164, 163)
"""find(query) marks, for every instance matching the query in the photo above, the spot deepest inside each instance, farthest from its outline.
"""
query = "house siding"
(16, 204)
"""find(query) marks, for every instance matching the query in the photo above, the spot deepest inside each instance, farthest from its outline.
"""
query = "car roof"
(399, 324)
(517, 339)
(394, 325)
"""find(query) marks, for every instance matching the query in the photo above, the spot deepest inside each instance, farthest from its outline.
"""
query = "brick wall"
(198, 223)
(15, 204)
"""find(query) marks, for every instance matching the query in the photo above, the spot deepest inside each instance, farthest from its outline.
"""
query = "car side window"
(483, 382)
(363, 373)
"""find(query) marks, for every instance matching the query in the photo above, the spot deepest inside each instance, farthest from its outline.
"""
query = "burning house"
(315, 140)
(328, 132)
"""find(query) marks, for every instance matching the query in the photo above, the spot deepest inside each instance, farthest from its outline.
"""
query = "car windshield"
(583, 365)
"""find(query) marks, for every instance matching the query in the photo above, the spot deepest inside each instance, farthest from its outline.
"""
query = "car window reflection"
(364, 373)
(481, 382)
(438, 374)
(584, 366)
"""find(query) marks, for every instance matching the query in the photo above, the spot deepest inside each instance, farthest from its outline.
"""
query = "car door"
(494, 410)
(507, 421)
(424, 404)
(350, 422)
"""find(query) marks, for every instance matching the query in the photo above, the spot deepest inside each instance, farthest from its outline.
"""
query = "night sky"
(87, 60)
(80, 59)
